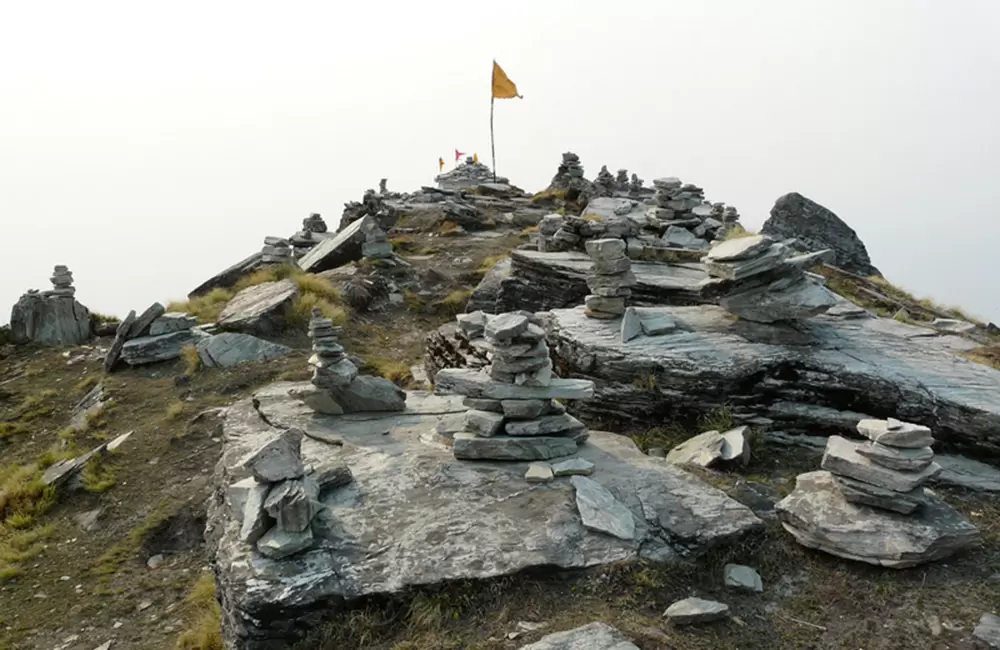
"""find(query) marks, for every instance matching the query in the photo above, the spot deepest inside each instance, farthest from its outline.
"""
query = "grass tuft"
(721, 419)
(84, 385)
(203, 617)
(394, 370)
(302, 307)
(454, 303)
(97, 477)
(550, 195)
(174, 410)
(191, 359)
(738, 232)
(205, 308)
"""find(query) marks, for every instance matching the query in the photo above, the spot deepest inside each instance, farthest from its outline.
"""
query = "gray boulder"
(818, 516)
(230, 349)
(367, 393)
(142, 324)
(153, 349)
(816, 228)
(172, 322)
(742, 577)
(260, 309)
(594, 636)
(412, 498)
(58, 321)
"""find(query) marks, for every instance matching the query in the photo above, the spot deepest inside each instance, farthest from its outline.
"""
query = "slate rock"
(654, 324)
(279, 458)
(631, 326)
(239, 491)
(953, 325)
(230, 349)
(331, 474)
(606, 249)
(879, 497)
(894, 433)
(538, 473)
(229, 276)
(695, 610)
(142, 324)
(153, 349)
(367, 393)
(683, 238)
(842, 458)
(467, 446)
(121, 336)
(818, 516)
(573, 467)
(483, 423)
(742, 577)
(484, 297)
(255, 518)
(803, 299)
(702, 450)
(594, 636)
(988, 630)
(278, 544)
(472, 383)
(544, 425)
(906, 460)
(291, 504)
(58, 321)
(740, 248)
(967, 473)
(816, 228)
(172, 322)
(260, 309)
(319, 400)
(504, 327)
(482, 404)
(345, 246)
(600, 510)
(524, 409)
(736, 446)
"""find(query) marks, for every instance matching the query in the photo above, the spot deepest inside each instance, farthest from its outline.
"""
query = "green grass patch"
(86, 384)
(396, 371)
(205, 308)
(97, 477)
(452, 304)
(174, 410)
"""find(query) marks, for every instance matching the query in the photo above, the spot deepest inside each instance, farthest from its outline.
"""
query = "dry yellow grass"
(205, 308)
(203, 617)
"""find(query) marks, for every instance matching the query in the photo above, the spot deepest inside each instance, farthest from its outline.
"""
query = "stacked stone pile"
(314, 230)
(762, 280)
(621, 182)
(52, 317)
(337, 386)
(512, 413)
(869, 502)
(378, 206)
(683, 215)
(558, 232)
(280, 500)
(635, 187)
(604, 184)
(151, 337)
(569, 179)
(376, 244)
(610, 278)
(467, 175)
(276, 250)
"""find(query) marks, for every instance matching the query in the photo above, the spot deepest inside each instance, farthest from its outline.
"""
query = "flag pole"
(493, 148)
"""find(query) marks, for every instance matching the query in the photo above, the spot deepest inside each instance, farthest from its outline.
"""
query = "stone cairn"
(610, 279)
(604, 184)
(376, 245)
(62, 282)
(276, 250)
(337, 387)
(685, 217)
(522, 420)
(280, 500)
(558, 232)
(570, 173)
(635, 187)
(382, 186)
(313, 227)
(889, 470)
(621, 182)
(762, 280)
(467, 175)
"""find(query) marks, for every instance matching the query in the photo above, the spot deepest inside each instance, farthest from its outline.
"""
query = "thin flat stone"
(467, 446)
(988, 630)
(538, 473)
(631, 325)
(737, 447)
(841, 458)
(255, 517)
(483, 423)
(600, 510)
(901, 434)
(738, 270)
(573, 467)
(524, 409)
(504, 327)
(742, 577)
(472, 383)
(279, 458)
(878, 497)
(481, 404)
(332, 474)
(695, 610)
(595, 636)
(702, 450)
(277, 544)
(291, 504)
(906, 460)
(545, 425)
(741, 248)
(656, 324)
(606, 249)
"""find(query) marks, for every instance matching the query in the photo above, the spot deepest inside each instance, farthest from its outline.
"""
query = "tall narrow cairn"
(337, 387)
(512, 413)
(52, 317)
(276, 250)
(869, 503)
(621, 182)
(62, 282)
(762, 280)
(610, 278)
(604, 184)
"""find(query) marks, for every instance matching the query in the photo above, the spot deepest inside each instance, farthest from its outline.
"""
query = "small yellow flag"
(475, 158)
(503, 87)
(440, 164)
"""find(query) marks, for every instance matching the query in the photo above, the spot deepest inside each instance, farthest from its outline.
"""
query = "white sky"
(150, 145)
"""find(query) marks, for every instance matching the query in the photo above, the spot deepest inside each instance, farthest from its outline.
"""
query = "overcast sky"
(150, 145)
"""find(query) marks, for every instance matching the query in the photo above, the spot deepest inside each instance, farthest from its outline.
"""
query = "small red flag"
(458, 155)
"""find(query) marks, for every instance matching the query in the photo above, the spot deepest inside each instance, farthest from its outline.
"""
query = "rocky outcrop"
(484, 297)
(541, 281)
(801, 377)
(414, 515)
(260, 309)
(816, 228)
(52, 317)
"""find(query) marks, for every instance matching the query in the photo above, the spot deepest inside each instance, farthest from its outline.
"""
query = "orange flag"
(475, 158)
(440, 164)
(503, 87)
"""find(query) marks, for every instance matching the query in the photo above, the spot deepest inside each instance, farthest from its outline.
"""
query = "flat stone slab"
(260, 309)
(696, 610)
(231, 349)
(339, 249)
(414, 515)
(842, 458)
(879, 366)
(595, 636)
(153, 349)
(967, 473)
(818, 516)
(473, 383)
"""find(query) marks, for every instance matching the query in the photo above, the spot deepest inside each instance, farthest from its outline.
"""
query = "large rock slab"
(58, 321)
(871, 367)
(818, 516)
(539, 281)
(816, 228)
(595, 636)
(231, 349)
(260, 309)
(414, 515)
(230, 276)
(153, 349)
(344, 247)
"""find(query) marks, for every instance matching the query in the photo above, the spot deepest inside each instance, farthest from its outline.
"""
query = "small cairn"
(276, 250)
(313, 228)
(280, 499)
(522, 420)
(610, 278)
(382, 186)
(604, 184)
(558, 232)
(635, 187)
(314, 223)
(376, 245)
(62, 282)
(331, 367)
(762, 280)
(569, 170)
(621, 182)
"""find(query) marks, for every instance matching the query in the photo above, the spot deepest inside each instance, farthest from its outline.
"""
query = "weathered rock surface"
(967, 473)
(988, 630)
(600, 510)
(121, 336)
(870, 367)
(414, 515)
(816, 228)
(49, 320)
(260, 309)
(142, 324)
(742, 577)
(153, 349)
(701, 450)
(487, 292)
(595, 636)
(695, 610)
(345, 246)
(230, 349)
(540, 281)
(172, 322)
(818, 516)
